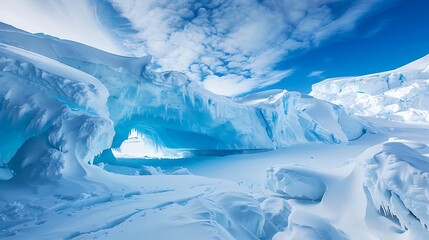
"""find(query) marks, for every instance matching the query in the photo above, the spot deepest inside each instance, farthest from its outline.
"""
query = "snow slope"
(399, 95)
(397, 177)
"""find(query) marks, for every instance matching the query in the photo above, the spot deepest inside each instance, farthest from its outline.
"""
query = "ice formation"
(56, 116)
(64, 105)
(97, 99)
(399, 95)
(295, 182)
(396, 177)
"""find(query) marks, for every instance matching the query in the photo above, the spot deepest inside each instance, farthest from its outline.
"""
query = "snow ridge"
(399, 95)
(397, 177)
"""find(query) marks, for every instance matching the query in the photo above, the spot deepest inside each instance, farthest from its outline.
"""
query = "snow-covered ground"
(247, 196)
(307, 169)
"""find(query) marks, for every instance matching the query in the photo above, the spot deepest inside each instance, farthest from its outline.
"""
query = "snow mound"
(245, 214)
(303, 226)
(396, 177)
(276, 211)
(296, 182)
(181, 171)
(229, 215)
(399, 95)
(149, 170)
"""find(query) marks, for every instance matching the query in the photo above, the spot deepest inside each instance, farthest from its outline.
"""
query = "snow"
(295, 182)
(169, 114)
(276, 211)
(396, 177)
(399, 95)
(60, 122)
(309, 226)
(330, 175)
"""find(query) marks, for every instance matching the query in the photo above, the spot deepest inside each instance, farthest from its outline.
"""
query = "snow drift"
(296, 182)
(396, 177)
(380, 194)
(401, 94)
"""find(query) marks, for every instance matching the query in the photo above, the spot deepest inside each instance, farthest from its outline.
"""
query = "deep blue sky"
(388, 39)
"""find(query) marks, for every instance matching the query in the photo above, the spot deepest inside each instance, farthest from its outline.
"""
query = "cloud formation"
(316, 74)
(73, 20)
(235, 46)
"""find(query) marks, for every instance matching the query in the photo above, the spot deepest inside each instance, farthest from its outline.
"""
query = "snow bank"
(149, 170)
(399, 95)
(181, 171)
(303, 226)
(276, 211)
(56, 116)
(245, 214)
(228, 215)
(296, 182)
(396, 177)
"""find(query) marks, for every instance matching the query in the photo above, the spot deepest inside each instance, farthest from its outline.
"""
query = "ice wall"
(67, 100)
(399, 95)
(52, 117)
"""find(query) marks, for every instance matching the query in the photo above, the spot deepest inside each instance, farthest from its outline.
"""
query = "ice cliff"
(399, 95)
(63, 103)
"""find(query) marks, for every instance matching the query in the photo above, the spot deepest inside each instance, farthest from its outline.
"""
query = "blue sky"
(389, 38)
(241, 46)
(233, 47)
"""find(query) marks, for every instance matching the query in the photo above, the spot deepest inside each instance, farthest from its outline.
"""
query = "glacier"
(105, 97)
(69, 113)
(398, 95)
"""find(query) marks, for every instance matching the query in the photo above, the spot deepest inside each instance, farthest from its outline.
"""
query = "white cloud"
(73, 20)
(234, 46)
(316, 74)
(235, 84)
(240, 41)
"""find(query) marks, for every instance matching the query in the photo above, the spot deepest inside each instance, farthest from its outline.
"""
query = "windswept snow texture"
(400, 95)
(276, 211)
(397, 178)
(165, 110)
(56, 116)
(308, 226)
(295, 182)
